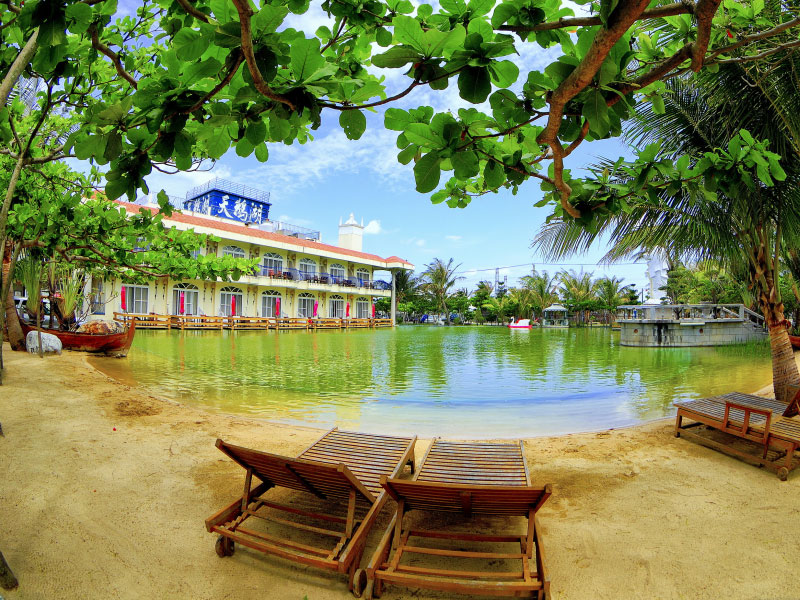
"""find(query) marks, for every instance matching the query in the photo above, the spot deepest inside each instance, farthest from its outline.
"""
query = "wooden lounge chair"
(472, 479)
(750, 418)
(340, 467)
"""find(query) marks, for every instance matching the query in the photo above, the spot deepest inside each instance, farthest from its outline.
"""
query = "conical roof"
(555, 308)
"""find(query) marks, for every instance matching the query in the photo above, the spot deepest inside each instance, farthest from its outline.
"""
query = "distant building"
(296, 271)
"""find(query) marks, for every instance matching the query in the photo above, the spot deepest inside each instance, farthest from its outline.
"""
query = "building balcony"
(322, 282)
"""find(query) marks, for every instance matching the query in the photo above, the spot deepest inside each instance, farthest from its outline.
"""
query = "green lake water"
(468, 382)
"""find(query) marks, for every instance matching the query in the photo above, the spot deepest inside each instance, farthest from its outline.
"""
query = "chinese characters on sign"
(229, 206)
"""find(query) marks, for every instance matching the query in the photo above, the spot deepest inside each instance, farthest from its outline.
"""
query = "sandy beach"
(105, 490)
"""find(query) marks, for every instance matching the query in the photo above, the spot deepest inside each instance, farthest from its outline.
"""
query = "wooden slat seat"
(497, 464)
(341, 468)
(367, 456)
(490, 480)
(753, 418)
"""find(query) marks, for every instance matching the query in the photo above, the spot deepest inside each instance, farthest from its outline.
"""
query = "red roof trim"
(258, 233)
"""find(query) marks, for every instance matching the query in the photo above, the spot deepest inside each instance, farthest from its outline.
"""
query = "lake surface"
(469, 382)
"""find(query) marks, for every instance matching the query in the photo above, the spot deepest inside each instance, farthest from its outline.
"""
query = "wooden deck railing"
(355, 323)
(145, 321)
(197, 322)
(239, 322)
(292, 323)
(184, 322)
(329, 323)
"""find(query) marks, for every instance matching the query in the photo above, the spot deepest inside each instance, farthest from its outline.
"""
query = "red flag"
(373, 311)
(233, 305)
(347, 311)
(278, 307)
(122, 299)
(183, 302)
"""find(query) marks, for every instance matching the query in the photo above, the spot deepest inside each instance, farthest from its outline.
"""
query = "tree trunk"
(784, 367)
(13, 328)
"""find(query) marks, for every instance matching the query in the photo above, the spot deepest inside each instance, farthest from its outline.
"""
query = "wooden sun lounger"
(472, 479)
(341, 466)
(747, 417)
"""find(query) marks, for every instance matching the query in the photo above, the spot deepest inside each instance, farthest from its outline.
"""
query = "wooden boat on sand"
(112, 344)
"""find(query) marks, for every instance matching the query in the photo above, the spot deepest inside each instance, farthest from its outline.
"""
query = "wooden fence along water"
(201, 322)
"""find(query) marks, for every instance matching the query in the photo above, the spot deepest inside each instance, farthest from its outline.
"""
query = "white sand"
(90, 512)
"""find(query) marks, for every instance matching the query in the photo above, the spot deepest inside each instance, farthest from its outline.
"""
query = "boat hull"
(111, 344)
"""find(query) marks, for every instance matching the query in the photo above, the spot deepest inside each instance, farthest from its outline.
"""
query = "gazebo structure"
(555, 316)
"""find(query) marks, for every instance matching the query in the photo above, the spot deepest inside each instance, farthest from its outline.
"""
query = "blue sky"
(316, 184)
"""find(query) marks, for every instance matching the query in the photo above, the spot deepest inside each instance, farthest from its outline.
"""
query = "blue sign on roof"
(219, 203)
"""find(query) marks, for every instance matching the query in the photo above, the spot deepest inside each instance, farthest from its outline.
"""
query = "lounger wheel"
(368, 590)
(224, 546)
(359, 582)
(783, 473)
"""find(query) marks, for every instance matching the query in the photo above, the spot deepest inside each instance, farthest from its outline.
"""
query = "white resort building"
(298, 276)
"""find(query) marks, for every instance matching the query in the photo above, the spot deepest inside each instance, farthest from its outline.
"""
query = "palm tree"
(499, 306)
(610, 292)
(438, 279)
(405, 285)
(523, 299)
(543, 290)
(577, 291)
(744, 230)
(630, 295)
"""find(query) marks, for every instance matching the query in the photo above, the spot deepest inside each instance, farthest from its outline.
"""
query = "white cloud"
(453, 238)
(374, 228)
(420, 243)
(291, 168)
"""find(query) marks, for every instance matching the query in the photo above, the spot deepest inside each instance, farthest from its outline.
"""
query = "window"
(272, 265)
(98, 298)
(233, 251)
(269, 303)
(336, 307)
(363, 276)
(185, 299)
(135, 297)
(307, 267)
(230, 301)
(337, 273)
(305, 305)
(363, 308)
(197, 254)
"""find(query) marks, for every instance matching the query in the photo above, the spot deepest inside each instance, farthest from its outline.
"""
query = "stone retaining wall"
(673, 334)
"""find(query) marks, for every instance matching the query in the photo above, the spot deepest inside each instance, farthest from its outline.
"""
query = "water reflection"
(470, 382)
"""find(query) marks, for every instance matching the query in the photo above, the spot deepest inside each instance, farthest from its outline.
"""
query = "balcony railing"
(687, 313)
(275, 273)
(292, 274)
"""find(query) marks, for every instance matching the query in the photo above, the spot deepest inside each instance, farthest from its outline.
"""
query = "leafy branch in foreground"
(190, 79)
